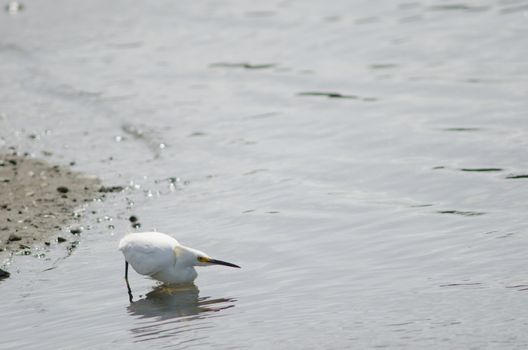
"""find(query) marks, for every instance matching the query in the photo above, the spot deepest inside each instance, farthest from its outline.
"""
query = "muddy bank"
(37, 200)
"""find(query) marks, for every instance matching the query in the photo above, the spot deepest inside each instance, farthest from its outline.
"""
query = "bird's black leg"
(126, 279)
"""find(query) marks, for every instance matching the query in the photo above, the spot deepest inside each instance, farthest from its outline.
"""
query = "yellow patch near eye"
(177, 252)
(203, 259)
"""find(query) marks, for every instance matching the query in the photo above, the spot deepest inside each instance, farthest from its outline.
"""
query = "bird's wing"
(147, 257)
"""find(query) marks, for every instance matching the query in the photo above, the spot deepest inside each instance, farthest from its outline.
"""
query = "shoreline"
(38, 200)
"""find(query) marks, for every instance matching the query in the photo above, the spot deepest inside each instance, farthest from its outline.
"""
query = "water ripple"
(167, 311)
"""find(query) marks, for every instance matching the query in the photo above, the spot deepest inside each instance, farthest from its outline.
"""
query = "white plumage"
(163, 258)
(150, 253)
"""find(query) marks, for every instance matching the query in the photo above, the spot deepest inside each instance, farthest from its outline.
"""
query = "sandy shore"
(37, 200)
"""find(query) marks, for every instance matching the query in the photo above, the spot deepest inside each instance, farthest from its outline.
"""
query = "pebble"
(13, 237)
(106, 189)
(76, 230)
(4, 274)
(63, 189)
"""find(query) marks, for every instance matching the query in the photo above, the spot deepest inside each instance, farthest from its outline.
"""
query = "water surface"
(364, 163)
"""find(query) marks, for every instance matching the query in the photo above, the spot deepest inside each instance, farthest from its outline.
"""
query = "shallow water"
(365, 164)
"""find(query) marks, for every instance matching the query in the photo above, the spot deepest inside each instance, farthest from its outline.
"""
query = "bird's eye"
(202, 259)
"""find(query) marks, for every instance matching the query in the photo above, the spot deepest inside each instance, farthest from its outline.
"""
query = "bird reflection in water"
(170, 310)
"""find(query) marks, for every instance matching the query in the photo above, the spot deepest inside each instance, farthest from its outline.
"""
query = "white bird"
(163, 258)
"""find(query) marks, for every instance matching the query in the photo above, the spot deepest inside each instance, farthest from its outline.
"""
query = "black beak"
(220, 262)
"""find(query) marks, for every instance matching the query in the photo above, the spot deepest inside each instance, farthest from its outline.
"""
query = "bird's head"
(199, 258)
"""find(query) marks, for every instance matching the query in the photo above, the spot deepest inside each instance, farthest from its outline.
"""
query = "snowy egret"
(163, 258)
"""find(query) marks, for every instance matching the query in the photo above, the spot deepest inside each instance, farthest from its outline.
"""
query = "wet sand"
(38, 200)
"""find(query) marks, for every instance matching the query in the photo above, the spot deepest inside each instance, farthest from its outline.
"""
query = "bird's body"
(159, 256)
(163, 258)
